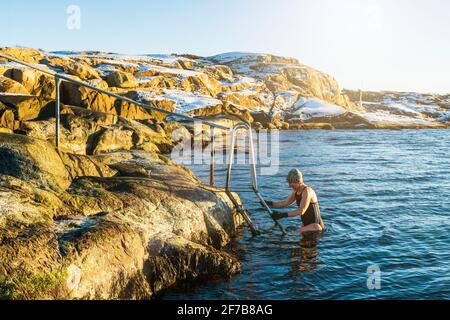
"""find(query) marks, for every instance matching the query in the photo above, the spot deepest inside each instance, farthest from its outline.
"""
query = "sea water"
(385, 200)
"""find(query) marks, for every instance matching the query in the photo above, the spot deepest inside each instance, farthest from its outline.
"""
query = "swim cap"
(294, 176)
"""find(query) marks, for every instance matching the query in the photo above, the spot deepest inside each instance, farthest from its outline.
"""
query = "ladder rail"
(252, 164)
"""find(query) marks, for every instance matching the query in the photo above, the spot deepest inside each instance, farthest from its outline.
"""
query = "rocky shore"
(122, 224)
(107, 215)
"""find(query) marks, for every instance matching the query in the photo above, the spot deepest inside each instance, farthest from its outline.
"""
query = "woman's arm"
(285, 203)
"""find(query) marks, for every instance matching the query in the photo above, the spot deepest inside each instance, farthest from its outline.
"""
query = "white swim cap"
(295, 176)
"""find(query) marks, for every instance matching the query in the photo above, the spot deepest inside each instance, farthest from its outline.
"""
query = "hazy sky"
(374, 44)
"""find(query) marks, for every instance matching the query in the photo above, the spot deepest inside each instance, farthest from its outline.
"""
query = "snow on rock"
(169, 59)
(403, 108)
(229, 57)
(185, 102)
(240, 81)
(252, 99)
(308, 108)
(387, 118)
(167, 71)
(285, 100)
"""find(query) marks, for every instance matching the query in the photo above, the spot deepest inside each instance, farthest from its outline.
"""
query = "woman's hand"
(279, 215)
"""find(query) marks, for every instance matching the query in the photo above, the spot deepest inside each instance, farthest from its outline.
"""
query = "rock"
(86, 166)
(145, 138)
(27, 77)
(347, 120)
(83, 130)
(6, 117)
(225, 109)
(285, 125)
(29, 262)
(161, 103)
(317, 126)
(23, 204)
(97, 118)
(132, 111)
(130, 170)
(295, 126)
(201, 84)
(271, 126)
(79, 69)
(251, 100)
(268, 121)
(75, 95)
(32, 159)
(243, 114)
(24, 54)
(121, 80)
(218, 72)
(35, 82)
(113, 139)
(6, 130)
(120, 237)
(257, 126)
(177, 132)
(175, 259)
(14, 98)
(156, 83)
(11, 86)
(128, 135)
(77, 131)
(34, 108)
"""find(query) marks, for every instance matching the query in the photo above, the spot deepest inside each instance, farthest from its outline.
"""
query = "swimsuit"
(312, 214)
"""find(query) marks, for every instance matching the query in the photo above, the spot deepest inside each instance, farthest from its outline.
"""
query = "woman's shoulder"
(309, 190)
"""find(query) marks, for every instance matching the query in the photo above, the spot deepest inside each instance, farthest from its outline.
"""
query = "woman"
(307, 202)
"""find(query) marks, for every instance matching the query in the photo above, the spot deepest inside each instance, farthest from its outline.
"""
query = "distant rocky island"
(107, 215)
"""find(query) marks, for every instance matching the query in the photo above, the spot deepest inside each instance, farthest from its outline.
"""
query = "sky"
(398, 45)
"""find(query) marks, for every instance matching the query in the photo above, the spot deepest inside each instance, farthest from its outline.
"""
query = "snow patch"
(385, 117)
(234, 56)
(172, 71)
(308, 108)
(184, 101)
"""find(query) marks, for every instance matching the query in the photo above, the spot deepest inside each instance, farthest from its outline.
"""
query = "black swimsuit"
(312, 214)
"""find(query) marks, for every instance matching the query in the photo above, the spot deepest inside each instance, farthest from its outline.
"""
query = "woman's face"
(294, 186)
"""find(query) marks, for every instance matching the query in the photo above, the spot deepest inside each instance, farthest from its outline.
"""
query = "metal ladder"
(252, 163)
